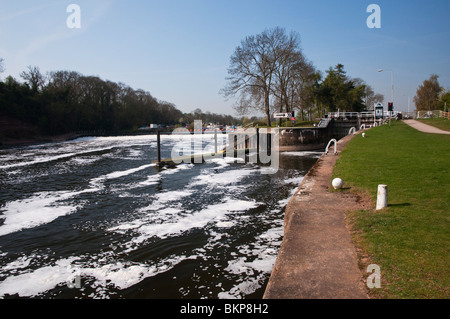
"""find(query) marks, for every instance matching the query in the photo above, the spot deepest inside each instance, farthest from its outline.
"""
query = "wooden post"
(158, 141)
(215, 141)
(257, 142)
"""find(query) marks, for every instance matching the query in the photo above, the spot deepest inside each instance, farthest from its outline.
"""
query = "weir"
(304, 138)
(244, 141)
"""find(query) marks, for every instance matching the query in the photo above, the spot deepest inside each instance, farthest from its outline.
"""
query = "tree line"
(67, 101)
(269, 73)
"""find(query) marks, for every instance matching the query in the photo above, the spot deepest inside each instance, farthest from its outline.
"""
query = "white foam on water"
(151, 180)
(38, 281)
(241, 289)
(42, 208)
(171, 196)
(96, 182)
(199, 219)
(85, 161)
(78, 147)
(304, 154)
(134, 153)
(222, 179)
(223, 162)
(255, 265)
(225, 224)
(123, 141)
(157, 212)
(294, 180)
(19, 263)
(177, 169)
(172, 221)
(120, 274)
(46, 158)
(156, 178)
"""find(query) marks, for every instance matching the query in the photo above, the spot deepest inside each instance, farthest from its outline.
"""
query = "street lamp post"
(392, 78)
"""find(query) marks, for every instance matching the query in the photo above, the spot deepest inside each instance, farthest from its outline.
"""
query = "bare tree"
(34, 78)
(2, 67)
(251, 72)
(269, 71)
(290, 62)
(370, 97)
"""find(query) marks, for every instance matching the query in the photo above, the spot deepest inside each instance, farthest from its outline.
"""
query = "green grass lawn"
(410, 239)
(441, 123)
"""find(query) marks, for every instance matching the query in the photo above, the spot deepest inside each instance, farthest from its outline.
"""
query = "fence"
(445, 115)
(348, 115)
(427, 114)
(432, 114)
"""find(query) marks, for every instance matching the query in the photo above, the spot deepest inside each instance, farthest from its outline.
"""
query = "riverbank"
(15, 133)
(317, 259)
(36, 140)
(409, 239)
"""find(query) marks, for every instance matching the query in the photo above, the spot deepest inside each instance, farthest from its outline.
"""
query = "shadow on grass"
(399, 205)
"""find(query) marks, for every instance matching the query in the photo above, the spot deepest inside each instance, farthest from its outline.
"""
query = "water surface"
(95, 218)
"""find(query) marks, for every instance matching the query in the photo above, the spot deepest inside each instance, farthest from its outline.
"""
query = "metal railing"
(335, 146)
(386, 114)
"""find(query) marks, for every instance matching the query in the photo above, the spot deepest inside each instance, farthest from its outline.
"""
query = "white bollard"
(382, 197)
(337, 183)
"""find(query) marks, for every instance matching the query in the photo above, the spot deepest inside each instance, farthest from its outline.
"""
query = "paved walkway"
(425, 127)
(317, 259)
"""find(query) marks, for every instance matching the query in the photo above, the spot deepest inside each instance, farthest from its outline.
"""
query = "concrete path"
(425, 127)
(317, 259)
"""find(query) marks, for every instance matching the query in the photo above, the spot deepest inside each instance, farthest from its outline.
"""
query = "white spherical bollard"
(337, 183)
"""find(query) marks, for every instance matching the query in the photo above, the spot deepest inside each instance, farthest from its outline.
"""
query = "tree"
(302, 88)
(339, 92)
(427, 95)
(251, 71)
(2, 67)
(34, 77)
(269, 71)
(70, 102)
(444, 100)
(372, 98)
(294, 77)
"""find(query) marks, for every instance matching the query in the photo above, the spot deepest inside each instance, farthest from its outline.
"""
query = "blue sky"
(179, 50)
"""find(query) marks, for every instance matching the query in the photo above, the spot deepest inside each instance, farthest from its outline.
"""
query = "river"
(95, 218)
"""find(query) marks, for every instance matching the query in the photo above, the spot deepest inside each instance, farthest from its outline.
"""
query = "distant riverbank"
(35, 140)
(15, 133)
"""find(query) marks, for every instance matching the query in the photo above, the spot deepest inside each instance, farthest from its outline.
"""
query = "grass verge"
(410, 239)
(440, 123)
